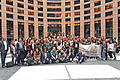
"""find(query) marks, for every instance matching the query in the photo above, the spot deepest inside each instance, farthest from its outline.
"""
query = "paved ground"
(8, 73)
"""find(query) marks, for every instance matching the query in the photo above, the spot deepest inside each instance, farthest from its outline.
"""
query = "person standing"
(3, 51)
(111, 49)
(13, 51)
(20, 52)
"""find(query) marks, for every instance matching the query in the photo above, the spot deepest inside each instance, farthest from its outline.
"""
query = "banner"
(91, 50)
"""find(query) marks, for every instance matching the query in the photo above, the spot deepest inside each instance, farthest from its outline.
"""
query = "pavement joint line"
(70, 78)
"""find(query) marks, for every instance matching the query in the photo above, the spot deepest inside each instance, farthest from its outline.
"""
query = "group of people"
(54, 49)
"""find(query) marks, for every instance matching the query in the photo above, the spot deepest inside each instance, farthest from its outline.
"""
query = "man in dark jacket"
(3, 51)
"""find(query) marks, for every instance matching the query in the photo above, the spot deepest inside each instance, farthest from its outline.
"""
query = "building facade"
(39, 18)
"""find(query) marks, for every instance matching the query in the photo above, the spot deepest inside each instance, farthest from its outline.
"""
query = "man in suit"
(3, 50)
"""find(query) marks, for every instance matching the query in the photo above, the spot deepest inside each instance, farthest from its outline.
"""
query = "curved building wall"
(39, 18)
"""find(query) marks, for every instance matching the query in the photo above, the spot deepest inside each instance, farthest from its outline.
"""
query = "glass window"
(54, 9)
(97, 9)
(10, 32)
(76, 7)
(30, 7)
(10, 9)
(31, 18)
(9, 15)
(86, 11)
(0, 7)
(68, 29)
(86, 0)
(40, 14)
(68, 19)
(96, 3)
(0, 29)
(110, 6)
(31, 29)
(40, 8)
(86, 29)
(30, 13)
(0, 14)
(67, 14)
(87, 5)
(40, 3)
(77, 18)
(108, 13)
(67, 3)
(118, 11)
(86, 17)
(97, 15)
(67, 9)
(54, 28)
(109, 28)
(40, 30)
(53, 0)
(54, 15)
(21, 0)
(119, 4)
(54, 20)
(98, 29)
(76, 13)
(20, 11)
(20, 5)
(40, 19)
(21, 17)
(119, 30)
(77, 29)
(31, 1)
(9, 2)
(53, 4)
(77, 2)
(21, 30)
(106, 1)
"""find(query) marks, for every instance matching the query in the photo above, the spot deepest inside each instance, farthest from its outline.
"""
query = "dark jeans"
(53, 60)
(20, 57)
(110, 54)
(3, 56)
(64, 61)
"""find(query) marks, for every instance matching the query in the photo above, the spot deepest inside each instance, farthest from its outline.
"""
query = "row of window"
(54, 28)
(96, 3)
(8, 15)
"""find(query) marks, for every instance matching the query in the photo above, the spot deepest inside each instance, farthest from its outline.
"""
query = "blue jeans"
(80, 59)
(3, 56)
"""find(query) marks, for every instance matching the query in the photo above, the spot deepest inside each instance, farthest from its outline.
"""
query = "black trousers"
(20, 57)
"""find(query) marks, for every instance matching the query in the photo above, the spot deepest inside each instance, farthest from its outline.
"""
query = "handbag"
(9, 64)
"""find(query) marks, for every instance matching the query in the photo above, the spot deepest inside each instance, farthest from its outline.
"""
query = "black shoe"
(114, 59)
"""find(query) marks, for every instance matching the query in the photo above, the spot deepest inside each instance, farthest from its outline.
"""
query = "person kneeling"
(37, 55)
(45, 57)
(80, 57)
(54, 55)
(29, 58)
(62, 57)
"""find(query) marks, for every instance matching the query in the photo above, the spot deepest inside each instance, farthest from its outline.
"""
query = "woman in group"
(30, 58)
(13, 50)
(111, 49)
(37, 56)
